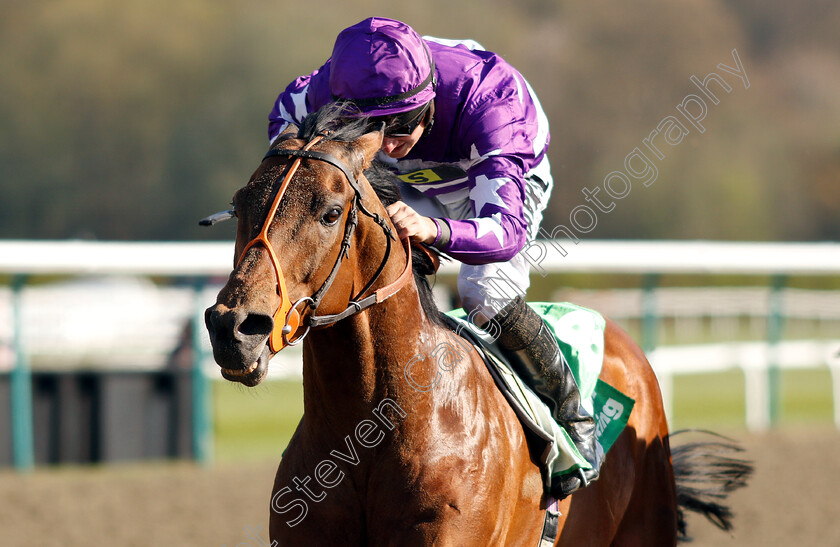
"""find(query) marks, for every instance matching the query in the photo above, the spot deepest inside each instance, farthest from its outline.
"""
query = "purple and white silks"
(484, 161)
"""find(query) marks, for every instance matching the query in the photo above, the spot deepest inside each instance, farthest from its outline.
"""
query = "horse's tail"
(705, 473)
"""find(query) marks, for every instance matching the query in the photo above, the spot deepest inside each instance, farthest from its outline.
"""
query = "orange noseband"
(287, 319)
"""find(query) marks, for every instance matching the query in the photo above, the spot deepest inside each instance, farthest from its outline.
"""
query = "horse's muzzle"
(239, 341)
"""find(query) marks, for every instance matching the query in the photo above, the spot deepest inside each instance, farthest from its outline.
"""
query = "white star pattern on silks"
(484, 226)
(487, 191)
(299, 100)
(476, 158)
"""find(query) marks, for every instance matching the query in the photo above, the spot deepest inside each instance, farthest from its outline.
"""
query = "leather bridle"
(287, 319)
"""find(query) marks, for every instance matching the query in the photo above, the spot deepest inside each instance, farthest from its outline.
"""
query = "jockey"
(468, 137)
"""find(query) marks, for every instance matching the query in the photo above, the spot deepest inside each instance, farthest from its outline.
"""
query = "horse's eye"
(331, 216)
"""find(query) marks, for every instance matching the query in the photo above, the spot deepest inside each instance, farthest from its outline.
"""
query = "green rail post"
(202, 432)
(775, 326)
(650, 314)
(21, 387)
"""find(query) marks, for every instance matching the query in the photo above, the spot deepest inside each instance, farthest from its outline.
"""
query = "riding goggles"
(403, 125)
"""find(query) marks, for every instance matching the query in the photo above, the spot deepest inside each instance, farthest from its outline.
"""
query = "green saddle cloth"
(580, 334)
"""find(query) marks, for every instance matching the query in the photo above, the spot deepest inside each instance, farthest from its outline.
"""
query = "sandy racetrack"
(792, 501)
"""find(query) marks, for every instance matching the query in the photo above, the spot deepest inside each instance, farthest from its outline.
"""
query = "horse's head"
(290, 249)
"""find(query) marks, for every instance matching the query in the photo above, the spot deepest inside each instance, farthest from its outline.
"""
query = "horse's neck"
(351, 367)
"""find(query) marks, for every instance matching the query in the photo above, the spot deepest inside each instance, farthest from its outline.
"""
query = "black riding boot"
(532, 348)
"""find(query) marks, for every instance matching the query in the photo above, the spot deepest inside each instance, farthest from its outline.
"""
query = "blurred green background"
(133, 120)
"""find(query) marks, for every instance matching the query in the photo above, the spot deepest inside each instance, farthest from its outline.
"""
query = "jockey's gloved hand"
(411, 224)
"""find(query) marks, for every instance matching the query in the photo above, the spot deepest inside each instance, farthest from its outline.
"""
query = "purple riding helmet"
(383, 67)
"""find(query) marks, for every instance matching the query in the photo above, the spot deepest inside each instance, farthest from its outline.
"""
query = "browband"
(315, 155)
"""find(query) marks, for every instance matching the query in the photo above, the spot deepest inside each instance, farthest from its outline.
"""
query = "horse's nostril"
(210, 315)
(256, 324)
(214, 319)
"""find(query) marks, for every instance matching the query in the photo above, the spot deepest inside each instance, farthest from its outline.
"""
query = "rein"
(285, 331)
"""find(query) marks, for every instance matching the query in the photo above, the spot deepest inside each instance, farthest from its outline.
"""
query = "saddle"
(580, 334)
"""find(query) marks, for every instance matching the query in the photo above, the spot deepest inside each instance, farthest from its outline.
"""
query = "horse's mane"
(331, 121)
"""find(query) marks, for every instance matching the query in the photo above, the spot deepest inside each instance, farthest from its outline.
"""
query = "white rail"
(592, 256)
(685, 257)
(752, 359)
(111, 257)
(546, 257)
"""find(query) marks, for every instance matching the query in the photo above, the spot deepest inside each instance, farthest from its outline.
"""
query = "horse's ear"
(369, 144)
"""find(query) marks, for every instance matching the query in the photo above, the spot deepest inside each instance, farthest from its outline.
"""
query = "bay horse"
(314, 251)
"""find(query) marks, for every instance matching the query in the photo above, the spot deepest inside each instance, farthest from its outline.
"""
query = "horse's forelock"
(332, 121)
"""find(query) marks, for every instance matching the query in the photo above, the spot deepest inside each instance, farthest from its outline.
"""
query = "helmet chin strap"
(430, 118)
